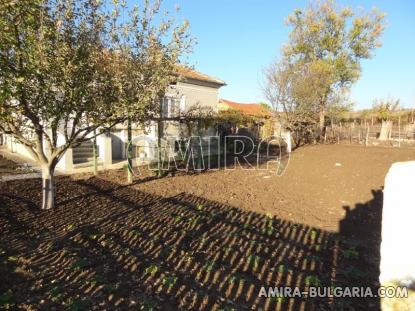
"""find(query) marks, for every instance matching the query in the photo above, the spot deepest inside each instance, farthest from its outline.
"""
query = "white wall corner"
(398, 216)
(105, 149)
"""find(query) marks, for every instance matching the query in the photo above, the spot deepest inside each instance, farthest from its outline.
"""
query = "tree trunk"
(321, 119)
(385, 130)
(129, 152)
(48, 187)
(321, 124)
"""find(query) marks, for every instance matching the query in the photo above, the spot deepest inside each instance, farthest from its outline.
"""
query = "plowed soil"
(205, 241)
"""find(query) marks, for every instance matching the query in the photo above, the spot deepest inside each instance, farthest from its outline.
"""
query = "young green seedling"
(152, 269)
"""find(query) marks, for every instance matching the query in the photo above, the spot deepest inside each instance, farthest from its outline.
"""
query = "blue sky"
(238, 39)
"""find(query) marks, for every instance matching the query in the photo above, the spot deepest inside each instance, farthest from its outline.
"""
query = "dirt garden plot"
(199, 242)
(8, 167)
(320, 184)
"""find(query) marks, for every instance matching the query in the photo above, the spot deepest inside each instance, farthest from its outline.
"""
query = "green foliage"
(55, 294)
(254, 260)
(166, 250)
(236, 279)
(339, 109)
(98, 279)
(313, 235)
(312, 280)
(148, 305)
(320, 62)
(94, 236)
(265, 106)
(354, 273)
(203, 241)
(282, 268)
(277, 299)
(70, 227)
(337, 36)
(134, 233)
(247, 226)
(386, 109)
(232, 279)
(111, 288)
(78, 304)
(6, 300)
(169, 281)
(314, 258)
(210, 265)
(80, 264)
(316, 247)
(12, 258)
(152, 269)
(269, 231)
(193, 221)
(70, 68)
(350, 254)
(235, 117)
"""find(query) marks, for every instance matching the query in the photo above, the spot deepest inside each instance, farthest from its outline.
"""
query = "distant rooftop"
(196, 75)
(245, 108)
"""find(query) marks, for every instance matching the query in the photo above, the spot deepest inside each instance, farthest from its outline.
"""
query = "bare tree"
(284, 91)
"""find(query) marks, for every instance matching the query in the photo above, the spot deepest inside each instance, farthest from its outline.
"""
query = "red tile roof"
(247, 108)
(196, 75)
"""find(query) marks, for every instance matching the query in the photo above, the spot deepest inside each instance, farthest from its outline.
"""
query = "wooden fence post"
(399, 131)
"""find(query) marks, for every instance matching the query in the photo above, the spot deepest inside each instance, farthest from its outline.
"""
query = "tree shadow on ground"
(108, 246)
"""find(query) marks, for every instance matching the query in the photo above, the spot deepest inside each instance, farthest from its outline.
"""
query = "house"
(256, 118)
(249, 109)
(192, 89)
(259, 122)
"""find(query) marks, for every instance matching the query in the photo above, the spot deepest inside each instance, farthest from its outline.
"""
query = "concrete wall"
(105, 149)
(397, 249)
(397, 265)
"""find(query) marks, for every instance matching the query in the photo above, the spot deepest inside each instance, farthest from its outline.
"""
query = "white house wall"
(16, 147)
(203, 95)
